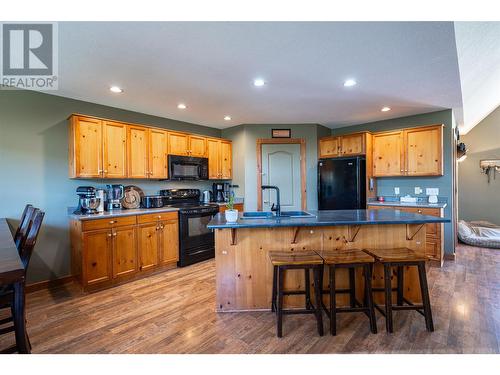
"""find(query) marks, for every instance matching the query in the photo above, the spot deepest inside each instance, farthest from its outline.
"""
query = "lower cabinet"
(237, 206)
(107, 252)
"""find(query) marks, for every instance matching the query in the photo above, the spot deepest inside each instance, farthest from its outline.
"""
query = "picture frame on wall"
(281, 133)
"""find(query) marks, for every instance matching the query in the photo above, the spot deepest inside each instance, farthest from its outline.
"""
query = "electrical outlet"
(418, 190)
(396, 190)
(432, 191)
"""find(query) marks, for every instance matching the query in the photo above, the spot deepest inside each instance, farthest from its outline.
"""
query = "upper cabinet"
(187, 145)
(100, 148)
(219, 159)
(409, 152)
(344, 145)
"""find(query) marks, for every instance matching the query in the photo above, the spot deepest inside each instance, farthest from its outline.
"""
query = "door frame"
(270, 141)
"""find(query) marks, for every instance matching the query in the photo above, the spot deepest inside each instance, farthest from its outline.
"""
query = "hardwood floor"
(173, 312)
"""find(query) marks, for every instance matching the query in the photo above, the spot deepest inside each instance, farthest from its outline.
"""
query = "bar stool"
(350, 259)
(307, 261)
(400, 258)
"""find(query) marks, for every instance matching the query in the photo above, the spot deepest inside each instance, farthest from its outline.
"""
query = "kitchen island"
(244, 272)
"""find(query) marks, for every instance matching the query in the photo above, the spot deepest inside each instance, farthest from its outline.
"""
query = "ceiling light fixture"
(259, 82)
(116, 89)
(227, 118)
(350, 83)
(181, 106)
(385, 109)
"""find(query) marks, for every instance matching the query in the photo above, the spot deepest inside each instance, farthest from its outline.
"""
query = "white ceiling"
(410, 66)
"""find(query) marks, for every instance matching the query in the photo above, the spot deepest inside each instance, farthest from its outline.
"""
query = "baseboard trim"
(47, 284)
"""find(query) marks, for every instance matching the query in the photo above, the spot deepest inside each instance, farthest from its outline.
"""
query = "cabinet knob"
(112, 221)
(159, 216)
(109, 234)
(114, 234)
(105, 171)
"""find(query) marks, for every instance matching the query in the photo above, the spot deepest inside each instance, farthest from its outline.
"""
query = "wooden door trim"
(269, 141)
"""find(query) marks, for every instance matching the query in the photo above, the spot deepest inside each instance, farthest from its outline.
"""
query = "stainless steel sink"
(258, 215)
(296, 214)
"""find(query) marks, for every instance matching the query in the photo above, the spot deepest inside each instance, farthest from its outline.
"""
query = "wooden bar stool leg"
(352, 287)
(400, 276)
(333, 302)
(318, 295)
(275, 285)
(281, 272)
(388, 297)
(425, 297)
(308, 288)
(20, 319)
(369, 298)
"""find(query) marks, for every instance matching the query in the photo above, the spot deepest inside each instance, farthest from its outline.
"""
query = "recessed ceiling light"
(181, 106)
(350, 83)
(116, 89)
(227, 118)
(385, 109)
(259, 82)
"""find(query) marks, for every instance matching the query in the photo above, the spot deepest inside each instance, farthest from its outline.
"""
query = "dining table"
(12, 276)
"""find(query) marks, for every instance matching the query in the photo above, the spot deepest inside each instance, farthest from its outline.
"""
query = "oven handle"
(197, 252)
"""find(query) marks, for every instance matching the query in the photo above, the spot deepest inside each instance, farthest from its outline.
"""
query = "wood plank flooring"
(173, 312)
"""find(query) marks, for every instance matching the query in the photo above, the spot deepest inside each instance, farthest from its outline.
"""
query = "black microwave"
(187, 168)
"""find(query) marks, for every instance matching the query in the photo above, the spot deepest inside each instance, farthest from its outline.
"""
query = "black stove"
(196, 241)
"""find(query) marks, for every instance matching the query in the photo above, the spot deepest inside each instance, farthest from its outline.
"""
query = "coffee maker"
(87, 202)
(115, 195)
(218, 192)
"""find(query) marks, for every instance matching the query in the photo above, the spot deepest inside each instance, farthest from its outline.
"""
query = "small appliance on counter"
(152, 201)
(207, 196)
(132, 197)
(114, 195)
(101, 194)
(87, 202)
(220, 191)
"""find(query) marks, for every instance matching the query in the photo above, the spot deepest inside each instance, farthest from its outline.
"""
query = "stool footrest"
(338, 291)
(6, 330)
(9, 350)
(6, 320)
(298, 311)
(294, 292)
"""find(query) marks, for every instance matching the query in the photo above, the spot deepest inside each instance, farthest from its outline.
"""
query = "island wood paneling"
(244, 273)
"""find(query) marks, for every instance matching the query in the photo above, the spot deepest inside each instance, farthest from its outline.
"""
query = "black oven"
(196, 241)
(187, 168)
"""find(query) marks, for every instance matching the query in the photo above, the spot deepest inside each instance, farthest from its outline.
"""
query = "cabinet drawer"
(151, 218)
(108, 223)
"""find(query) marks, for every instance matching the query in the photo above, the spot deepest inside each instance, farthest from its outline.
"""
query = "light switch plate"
(396, 190)
(418, 190)
(432, 191)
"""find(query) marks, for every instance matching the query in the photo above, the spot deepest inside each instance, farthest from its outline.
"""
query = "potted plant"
(230, 213)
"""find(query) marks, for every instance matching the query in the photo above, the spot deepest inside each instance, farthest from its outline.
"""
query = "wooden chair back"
(32, 235)
(22, 229)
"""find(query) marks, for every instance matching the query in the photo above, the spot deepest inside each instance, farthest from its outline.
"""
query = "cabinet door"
(388, 154)
(148, 242)
(353, 144)
(114, 149)
(97, 247)
(213, 152)
(158, 154)
(169, 235)
(329, 147)
(86, 147)
(197, 146)
(178, 143)
(124, 251)
(138, 152)
(424, 151)
(226, 160)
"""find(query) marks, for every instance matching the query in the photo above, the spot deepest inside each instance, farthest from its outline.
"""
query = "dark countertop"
(331, 218)
(117, 213)
(11, 267)
(399, 204)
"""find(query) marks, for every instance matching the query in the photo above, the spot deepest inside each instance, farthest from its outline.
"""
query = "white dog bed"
(479, 233)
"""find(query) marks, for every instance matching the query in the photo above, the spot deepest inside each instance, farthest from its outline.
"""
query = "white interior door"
(281, 167)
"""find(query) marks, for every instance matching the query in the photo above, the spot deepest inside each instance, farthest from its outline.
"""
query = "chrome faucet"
(276, 208)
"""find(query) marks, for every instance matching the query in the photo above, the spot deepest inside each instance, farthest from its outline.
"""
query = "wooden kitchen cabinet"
(147, 153)
(114, 149)
(329, 147)
(409, 152)
(344, 145)
(107, 252)
(219, 159)
(85, 147)
(388, 158)
(187, 145)
(157, 162)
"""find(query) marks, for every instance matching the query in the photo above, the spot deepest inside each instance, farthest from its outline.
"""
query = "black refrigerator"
(342, 183)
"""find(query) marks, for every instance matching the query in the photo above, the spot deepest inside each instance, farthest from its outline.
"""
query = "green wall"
(385, 186)
(244, 139)
(478, 200)
(34, 167)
